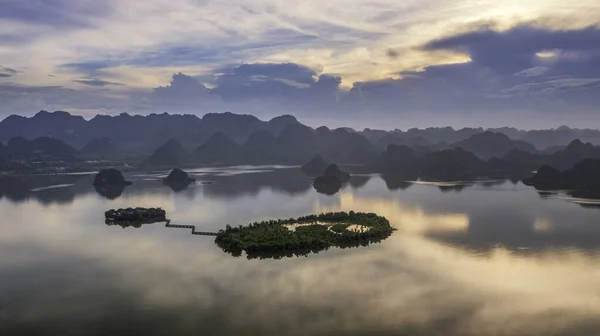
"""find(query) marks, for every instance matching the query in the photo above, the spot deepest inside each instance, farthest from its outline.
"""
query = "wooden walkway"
(192, 227)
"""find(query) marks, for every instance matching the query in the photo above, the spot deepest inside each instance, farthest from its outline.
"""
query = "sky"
(359, 63)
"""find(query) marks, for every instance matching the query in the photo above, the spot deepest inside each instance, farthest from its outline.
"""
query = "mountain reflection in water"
(492, 259)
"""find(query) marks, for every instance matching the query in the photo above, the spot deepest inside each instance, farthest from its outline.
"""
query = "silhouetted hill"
(262, 148)
(572, 154)
(489, 144)
(316, 166)
(99, 148)
(396, 160)
(239, 127)
(138, 134)
(60, 125)
(298, 142)
(584, 176)
(343, 146)
(219, 149)
(4, 155)
(170, 154)
(452, 164)
(43, 148)
(277, 124)
(289, 141)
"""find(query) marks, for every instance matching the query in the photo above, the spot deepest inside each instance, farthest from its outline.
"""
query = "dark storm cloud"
(515, 49)
(287, 81)
(55, 13)
(96, 82)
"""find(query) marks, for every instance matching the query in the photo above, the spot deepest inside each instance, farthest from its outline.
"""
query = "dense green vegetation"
(134, 217)
(273, 236)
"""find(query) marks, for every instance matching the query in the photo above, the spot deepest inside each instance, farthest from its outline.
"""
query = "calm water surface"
(491, 258)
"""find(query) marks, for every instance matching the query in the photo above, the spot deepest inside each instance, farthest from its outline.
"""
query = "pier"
(191, 227)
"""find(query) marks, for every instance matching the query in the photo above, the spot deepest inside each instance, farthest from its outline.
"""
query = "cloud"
(96, 82)
(54, 13)
(532, 72)
(7, 72)
(516, 49)
(87, 68)
(561, 84)
(357, 61)
(184, 94)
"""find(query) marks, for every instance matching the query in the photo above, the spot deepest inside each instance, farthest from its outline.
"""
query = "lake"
(485, 258)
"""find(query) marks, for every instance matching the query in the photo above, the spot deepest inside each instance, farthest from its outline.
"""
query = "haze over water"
(491, 258)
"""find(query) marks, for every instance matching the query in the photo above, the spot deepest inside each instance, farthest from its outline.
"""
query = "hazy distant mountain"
(99, 148)
(511, 132)
(489, 144)
(391, 139)
(219, 149)
(435, 135)
(44, 148)
(543, 139)
(373, 135)
(170, 154)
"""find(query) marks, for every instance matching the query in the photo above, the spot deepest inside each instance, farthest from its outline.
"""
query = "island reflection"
(461, 264)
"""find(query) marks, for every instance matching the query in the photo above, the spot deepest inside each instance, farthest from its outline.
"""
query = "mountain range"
(143, 134)
(227, 138)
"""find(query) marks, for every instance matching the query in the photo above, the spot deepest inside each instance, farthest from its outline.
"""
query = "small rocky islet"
(331, 181)
(178, 177)
(110, 177)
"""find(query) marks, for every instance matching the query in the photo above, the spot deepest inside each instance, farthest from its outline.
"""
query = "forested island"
(134, 216)
(308, 233)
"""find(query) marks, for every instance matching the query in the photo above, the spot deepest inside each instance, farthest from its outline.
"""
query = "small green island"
(134, 217)
(312, 233)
